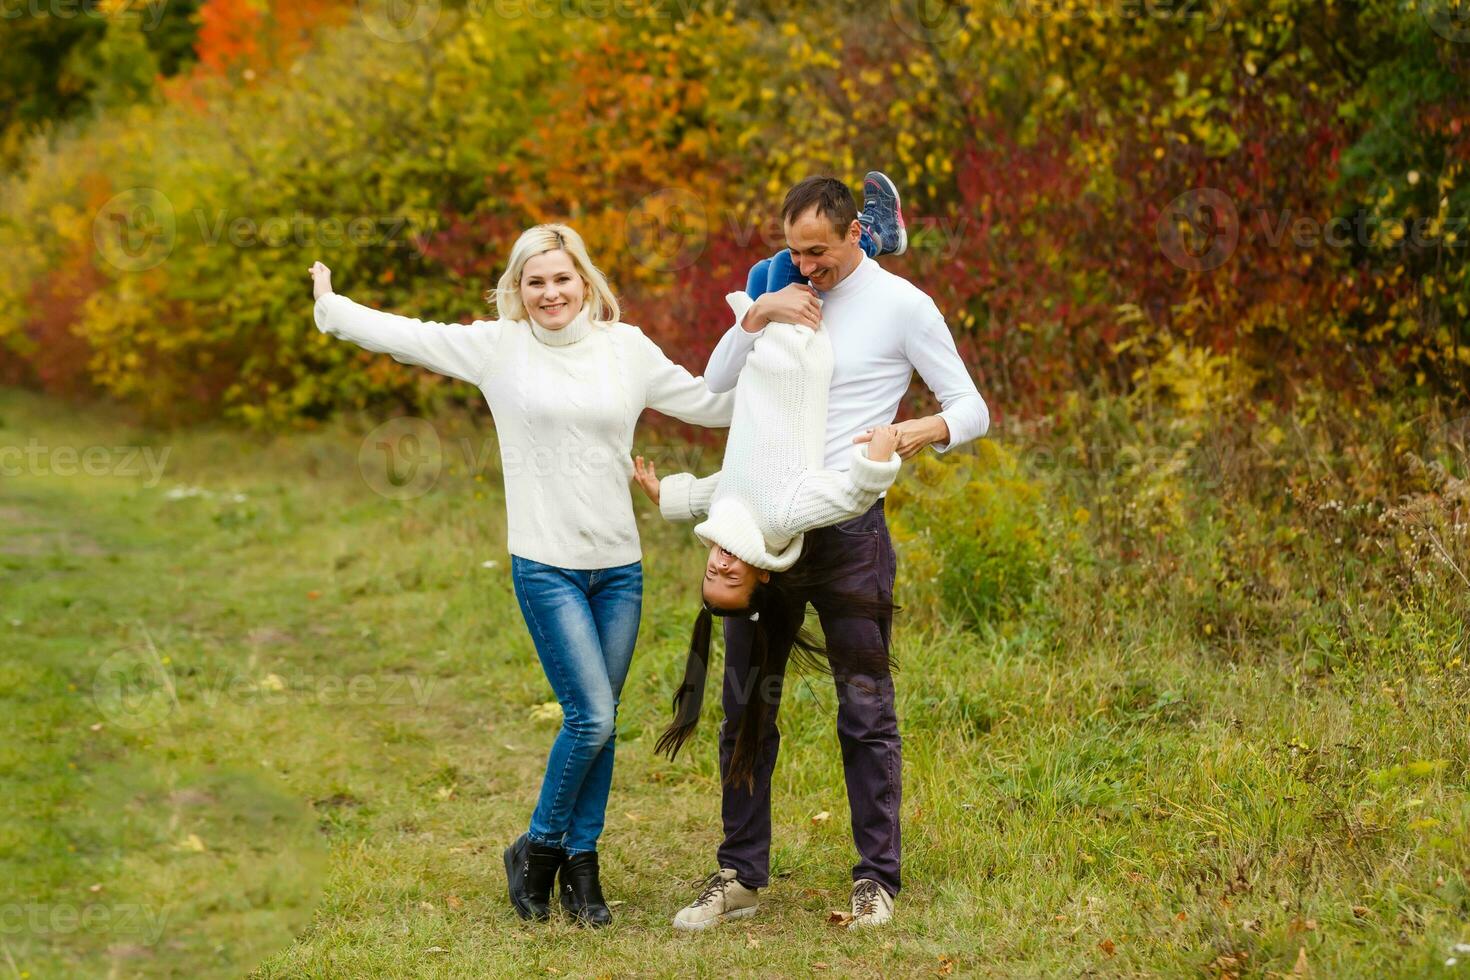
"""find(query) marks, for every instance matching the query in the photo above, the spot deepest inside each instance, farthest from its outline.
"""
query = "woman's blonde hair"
(600, 303)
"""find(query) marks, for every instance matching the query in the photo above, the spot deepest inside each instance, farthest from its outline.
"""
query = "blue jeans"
(778, 271)
(584, 624)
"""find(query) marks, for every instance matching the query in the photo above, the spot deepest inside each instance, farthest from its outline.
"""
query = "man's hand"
(795, 303)
(321, 280)
(645, 477)
(913, 435)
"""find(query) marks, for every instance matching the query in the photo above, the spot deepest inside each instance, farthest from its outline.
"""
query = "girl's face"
(552, 289)
(728, 581)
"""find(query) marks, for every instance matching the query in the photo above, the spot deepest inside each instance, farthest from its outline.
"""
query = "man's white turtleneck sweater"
(565, 403)
(883, 328)
(772, 487)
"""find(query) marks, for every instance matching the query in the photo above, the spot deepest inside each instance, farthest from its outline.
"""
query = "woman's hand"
(882, 443)
(646, 478)
(321, 280)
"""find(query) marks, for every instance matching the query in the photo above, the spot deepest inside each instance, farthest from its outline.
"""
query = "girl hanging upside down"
(771, 489)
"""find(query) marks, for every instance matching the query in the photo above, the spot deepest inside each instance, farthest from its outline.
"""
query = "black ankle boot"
(581, 891)
(530, 871)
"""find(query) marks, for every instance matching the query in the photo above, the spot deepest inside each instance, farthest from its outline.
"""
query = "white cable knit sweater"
(772, 487)
(564, 402)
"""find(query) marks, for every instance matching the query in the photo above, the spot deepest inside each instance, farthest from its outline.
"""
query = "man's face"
(822, 253)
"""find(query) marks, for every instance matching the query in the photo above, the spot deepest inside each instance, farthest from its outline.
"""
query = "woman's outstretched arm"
(455, 350)
(674, 391)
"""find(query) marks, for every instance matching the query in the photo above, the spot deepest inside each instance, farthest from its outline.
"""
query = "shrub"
(971, 532)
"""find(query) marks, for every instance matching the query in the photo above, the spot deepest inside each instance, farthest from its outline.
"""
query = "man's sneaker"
(882, 216)
(721, 898)
(871, 905)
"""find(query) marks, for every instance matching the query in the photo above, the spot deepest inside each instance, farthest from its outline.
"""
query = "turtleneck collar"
(579, 327)
(856, 279)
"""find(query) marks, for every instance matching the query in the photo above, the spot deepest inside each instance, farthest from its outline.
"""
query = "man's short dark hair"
(830, 196)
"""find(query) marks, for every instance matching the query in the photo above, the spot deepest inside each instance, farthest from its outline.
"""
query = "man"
(882, 329)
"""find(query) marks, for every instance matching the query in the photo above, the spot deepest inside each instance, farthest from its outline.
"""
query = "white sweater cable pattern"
(772, 487)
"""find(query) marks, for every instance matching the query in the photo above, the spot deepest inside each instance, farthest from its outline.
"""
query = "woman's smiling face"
(729, 581)
(552, 289)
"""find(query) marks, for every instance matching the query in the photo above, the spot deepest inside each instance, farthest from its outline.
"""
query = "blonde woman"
(566, 382)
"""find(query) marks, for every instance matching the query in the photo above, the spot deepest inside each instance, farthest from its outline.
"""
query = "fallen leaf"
(1299, 924)
(837, 917)
(313, 595)
(436, 949)
(273, 682)
(1362, 911)
(822, 817)
(1182, 916)
(1108, 947)
(819, 966)
(1301, 968)
(946, 966)
(191, 843)
(547, 711)
(454, 901)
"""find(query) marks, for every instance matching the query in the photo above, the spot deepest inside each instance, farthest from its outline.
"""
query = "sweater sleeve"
(729, 356)
(451, 349)
(931, 350)
(682, 497)
(674, 391)
(819, 498)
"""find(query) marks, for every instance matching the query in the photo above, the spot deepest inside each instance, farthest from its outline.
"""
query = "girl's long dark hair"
(778, 611)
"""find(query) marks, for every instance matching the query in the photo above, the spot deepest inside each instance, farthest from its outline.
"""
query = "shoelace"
(713, 885)
(866, 898)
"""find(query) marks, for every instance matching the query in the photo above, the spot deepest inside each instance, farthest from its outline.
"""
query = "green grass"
(292, 730)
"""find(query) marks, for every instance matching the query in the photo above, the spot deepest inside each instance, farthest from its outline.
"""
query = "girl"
(565, 381)
(771, 489)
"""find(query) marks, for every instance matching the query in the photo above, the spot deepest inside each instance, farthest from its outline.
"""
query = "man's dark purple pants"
(867, 725)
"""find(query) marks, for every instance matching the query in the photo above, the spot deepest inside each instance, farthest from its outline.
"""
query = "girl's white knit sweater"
(564, 402)
(772, 487)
